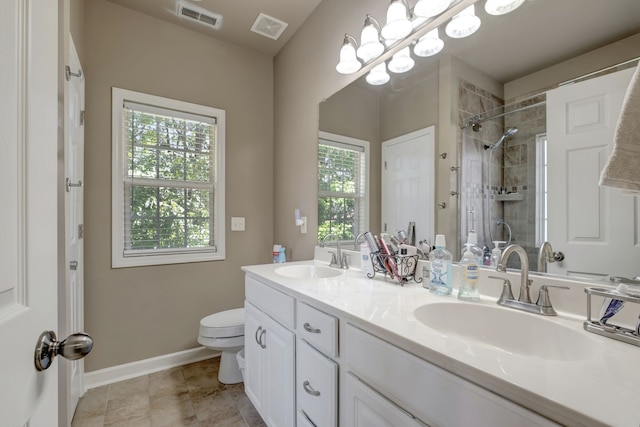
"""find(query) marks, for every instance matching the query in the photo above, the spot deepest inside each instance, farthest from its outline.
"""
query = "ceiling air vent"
(268, 26)
(205, 17)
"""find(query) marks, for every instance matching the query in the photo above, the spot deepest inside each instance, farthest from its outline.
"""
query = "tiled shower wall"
(511, 167)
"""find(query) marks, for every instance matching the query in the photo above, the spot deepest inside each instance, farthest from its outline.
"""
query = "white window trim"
(332, 137)
(541, 195)
(118, 259)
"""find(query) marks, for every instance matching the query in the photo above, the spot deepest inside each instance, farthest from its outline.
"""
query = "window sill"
(150, 260)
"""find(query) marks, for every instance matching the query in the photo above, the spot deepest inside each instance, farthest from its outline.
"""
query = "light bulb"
(429, 44)
(429, 8)
(501, 7)
(463, 24)
(378, 75)
(348, 62)
(401, 61)
(398, 25)
(370, 46)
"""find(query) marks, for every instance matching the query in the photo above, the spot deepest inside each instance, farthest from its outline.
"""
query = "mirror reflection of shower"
(506, 135)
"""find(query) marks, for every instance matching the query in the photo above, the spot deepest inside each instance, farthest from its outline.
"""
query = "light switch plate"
(237, 223)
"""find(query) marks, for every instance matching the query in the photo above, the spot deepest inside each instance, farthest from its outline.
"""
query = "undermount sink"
(512, 331)
(308, 272)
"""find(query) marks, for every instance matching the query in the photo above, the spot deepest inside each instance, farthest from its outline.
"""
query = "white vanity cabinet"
(270, 353)
(316, 371)
(429, 393)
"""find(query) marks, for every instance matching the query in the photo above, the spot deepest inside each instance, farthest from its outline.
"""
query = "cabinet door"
(317, 385)
(279, 374)
(254, 360)
(366, 408)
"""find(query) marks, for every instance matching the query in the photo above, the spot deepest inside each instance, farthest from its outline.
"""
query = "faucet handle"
(334, 260)
(507, 294)
(543, 295)
(344, 262)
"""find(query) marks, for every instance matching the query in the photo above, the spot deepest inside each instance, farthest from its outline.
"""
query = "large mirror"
(486, 99)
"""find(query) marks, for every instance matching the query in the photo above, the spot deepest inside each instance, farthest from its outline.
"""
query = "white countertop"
(599, 388)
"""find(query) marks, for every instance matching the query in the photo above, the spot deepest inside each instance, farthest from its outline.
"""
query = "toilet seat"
(225, 324)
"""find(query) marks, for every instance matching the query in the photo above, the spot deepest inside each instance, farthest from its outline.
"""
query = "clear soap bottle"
(496, 253)
(472, 239)
(468, 286)
(440, 268)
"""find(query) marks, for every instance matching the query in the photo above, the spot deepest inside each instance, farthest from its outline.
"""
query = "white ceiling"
(538, 34)
(238, 17)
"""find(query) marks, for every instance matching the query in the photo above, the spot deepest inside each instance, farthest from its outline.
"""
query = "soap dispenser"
(440, 268)
(468, 286)
(496, 253)
(472, 239)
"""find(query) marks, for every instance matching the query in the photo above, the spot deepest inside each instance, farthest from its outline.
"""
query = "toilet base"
(229, 372)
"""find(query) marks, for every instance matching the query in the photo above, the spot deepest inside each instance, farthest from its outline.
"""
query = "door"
(72, 303)
(28, 230)
(593, 226)
(254, 362)
(408, 183)
(279, 354)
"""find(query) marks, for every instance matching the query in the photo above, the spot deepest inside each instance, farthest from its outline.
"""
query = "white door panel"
(596, 227)
(28, 230)
(408, 177)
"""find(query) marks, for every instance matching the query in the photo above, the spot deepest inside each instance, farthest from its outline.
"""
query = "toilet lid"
(228, 323)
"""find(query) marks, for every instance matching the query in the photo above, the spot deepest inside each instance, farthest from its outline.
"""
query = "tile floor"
(188, 395)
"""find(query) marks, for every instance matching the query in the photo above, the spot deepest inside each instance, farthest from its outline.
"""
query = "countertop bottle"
(472, 239)
(468, 286)
(440, 268)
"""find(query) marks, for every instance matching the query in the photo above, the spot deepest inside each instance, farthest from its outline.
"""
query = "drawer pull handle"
(262, 334)
(257, 338)
(307, 387)
(307, 327)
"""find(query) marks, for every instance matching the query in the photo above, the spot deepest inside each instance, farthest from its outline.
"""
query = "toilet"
(224, 332)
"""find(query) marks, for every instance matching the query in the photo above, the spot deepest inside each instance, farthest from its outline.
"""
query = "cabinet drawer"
(316, 386)
(366, 408)
(429, 393)
(276, 304)
(318, 329)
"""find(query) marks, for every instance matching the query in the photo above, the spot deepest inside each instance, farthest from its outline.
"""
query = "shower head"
(507, 134)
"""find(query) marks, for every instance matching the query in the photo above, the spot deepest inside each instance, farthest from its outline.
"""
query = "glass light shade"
(348, 62)
(501, 7)
(401, 61)
(370, 46)
(463, 24)
(429, 8)
(429, 44)
(398, 25)
(378, 75)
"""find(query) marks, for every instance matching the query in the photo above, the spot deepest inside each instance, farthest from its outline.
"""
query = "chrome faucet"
(525, 283)
(547, 255)
(338, 259)
(355, 242)
(543, 304)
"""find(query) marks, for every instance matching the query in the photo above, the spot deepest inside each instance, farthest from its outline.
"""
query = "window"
(343, 190)
(167, 181)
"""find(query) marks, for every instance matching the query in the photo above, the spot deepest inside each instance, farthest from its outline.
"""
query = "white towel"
(623, 167)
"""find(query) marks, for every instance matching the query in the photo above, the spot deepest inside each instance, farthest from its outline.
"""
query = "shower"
(508, 134)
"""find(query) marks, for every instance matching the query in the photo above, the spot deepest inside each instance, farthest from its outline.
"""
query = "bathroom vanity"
(329, 347)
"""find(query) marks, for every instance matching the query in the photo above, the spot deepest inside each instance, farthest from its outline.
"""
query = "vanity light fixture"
(370, 45)
(401, 61)
(501, 7)
(430, 8)
(378, 75)
(348, 62)
(429, 44)
(398, 25)
(463, 24)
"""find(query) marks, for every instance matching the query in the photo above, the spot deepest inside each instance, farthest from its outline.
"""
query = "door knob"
(76, 346)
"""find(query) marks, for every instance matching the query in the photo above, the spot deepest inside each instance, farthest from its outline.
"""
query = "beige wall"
(142, 312)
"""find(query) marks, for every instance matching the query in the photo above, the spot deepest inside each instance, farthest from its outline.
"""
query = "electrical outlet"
(237, 223)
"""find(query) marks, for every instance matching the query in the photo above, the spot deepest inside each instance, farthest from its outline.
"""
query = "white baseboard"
(126, 371)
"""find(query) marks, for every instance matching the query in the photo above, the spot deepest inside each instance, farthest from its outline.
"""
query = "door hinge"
(80, 231)
(82, 117)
